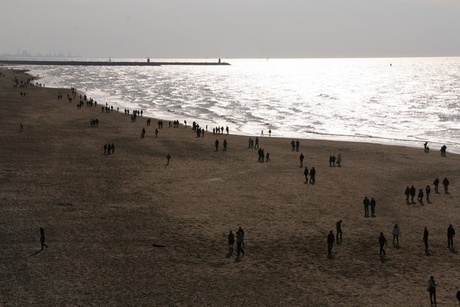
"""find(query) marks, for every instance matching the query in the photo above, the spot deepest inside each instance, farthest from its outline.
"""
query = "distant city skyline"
(234, 29)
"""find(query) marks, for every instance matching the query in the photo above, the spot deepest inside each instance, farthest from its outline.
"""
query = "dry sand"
(103, 215)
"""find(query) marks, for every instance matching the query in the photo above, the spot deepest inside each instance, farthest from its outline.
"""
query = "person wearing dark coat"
(450, 237)
(330, 242)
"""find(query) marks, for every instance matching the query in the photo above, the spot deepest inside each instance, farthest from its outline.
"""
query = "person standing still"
(436, 185)
(450, 237)
(231, 242)
(338, 227)
(330, 242)
(382, 243)
(432, 290)
(372, 203)
(42, 238)
(240, 243)
(366, 206)
(445, 183)
(301, 157)
(396, 233)
(425, 238)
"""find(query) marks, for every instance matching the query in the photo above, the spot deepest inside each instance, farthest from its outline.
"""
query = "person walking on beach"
(216, 144)
(407, 194)
(432, 290)
(427, 193)
(231, 242)
(225, 144)
(382, 243)
(240, 242)
(330, 242)
(366, 203)
(339, 160)
(396, 232)
(168, 157)
(42, 238)
(305, 173)
(312, 175)
(301, 157)
(425, 238)
(373, 204)
(338, 227)
(412, 194)
(436, 185)
(445, 183)
(420, 196)
(450, 237)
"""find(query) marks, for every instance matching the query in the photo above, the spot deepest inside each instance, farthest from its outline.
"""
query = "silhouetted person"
(240, 242)
(313, 175)
(168, 157)
(267, 157)
(396, 232)
(426, 148)
(366, 203)
(412, 193)
(427, 192)
(330, 242)
(301, 157)
(305, 173)
(382, 243)
(338, 227)
(407, 194)
(450, 237)
(425, 238)
(432, 289)
(443, 150)
(225, 144)
(420, 196)
(445, 183)
(231, 242)
(436, 185)
(373, 204)
(216, 144)
(42, 238)
(339, 160)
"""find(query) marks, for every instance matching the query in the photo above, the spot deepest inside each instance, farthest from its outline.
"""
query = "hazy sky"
(231, 28)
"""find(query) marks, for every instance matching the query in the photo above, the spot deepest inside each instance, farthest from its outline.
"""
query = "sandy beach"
(126, 229)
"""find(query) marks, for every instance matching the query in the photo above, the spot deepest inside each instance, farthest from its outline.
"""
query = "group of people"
(335, 160)
(239, 242)
(411, 192)
(369, 203)
(295, 145)
(383, 242)
(253, 143)
(109, 149)
(312, 173)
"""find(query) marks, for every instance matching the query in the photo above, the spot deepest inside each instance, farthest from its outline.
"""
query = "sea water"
(400, 101)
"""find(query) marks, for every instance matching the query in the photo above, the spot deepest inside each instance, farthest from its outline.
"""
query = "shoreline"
(253, 129)
(126, 229)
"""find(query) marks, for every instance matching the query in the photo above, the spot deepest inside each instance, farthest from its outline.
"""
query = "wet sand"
(125, 229)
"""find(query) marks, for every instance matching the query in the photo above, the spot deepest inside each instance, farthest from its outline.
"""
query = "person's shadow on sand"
(36, 252)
